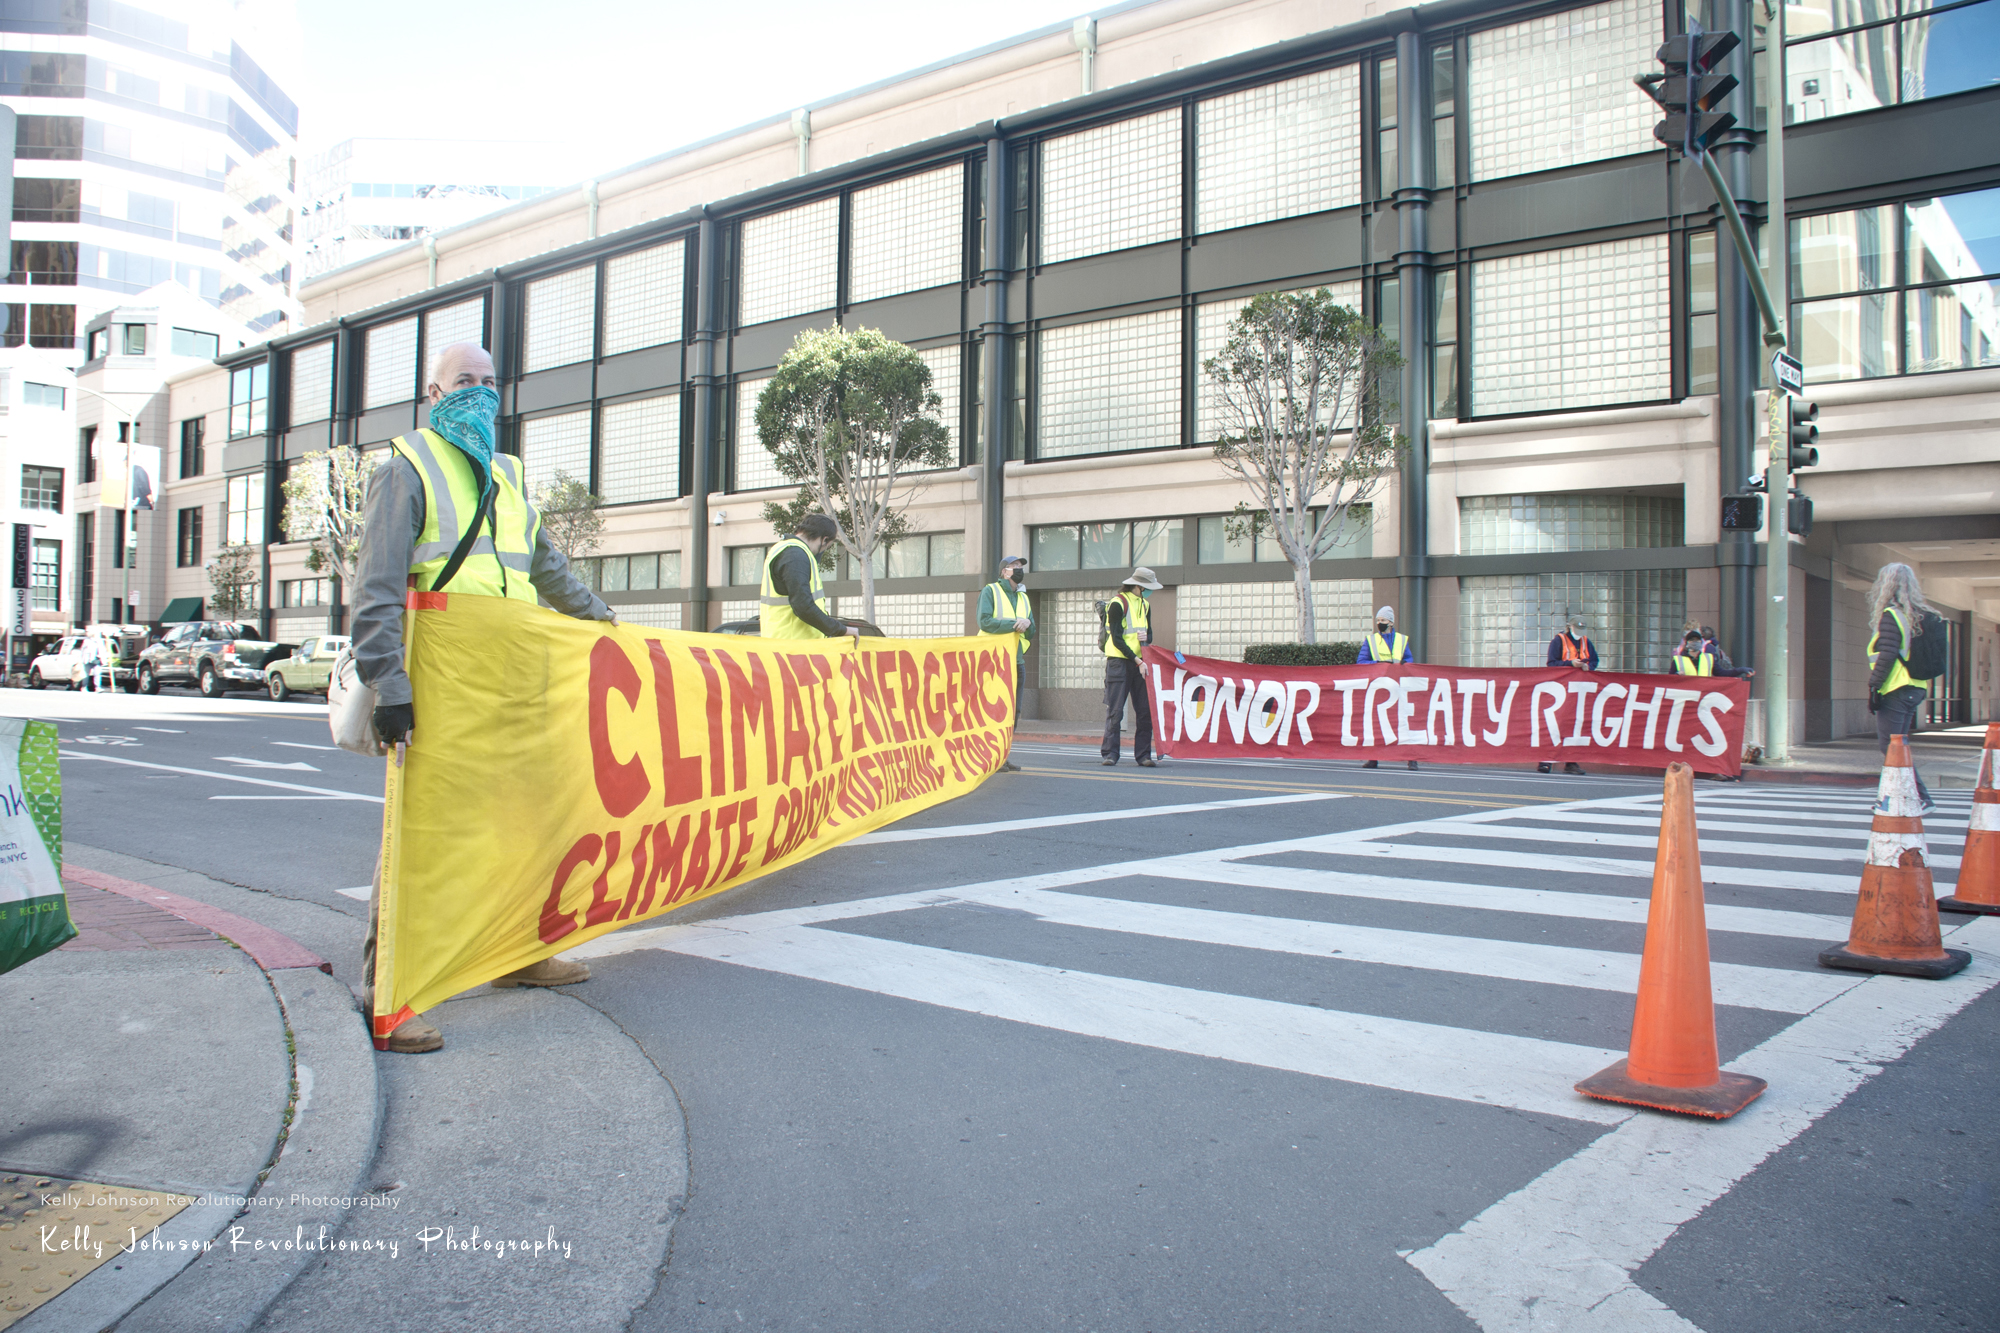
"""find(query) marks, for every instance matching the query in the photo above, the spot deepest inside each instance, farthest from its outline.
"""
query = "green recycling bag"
(34, 914)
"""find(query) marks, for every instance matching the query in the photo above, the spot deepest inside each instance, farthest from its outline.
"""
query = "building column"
(1739, 344)
(1413, 201)
(993, 360)
(707, 278)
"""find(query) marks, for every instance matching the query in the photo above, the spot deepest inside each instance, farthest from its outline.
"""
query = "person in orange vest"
(1571, 647)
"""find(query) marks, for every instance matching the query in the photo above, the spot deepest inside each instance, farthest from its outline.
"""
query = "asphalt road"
(1124, 1064)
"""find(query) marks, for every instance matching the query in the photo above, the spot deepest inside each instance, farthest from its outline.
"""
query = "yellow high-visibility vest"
(1137, 618)
(1390, 649)
(501, 557)
(1009, 605)
(1899, 674)
(775, 617)
(1700, 665)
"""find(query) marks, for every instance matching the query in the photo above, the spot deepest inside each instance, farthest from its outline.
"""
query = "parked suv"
(308, 670)
(215, 655)
(117, 648)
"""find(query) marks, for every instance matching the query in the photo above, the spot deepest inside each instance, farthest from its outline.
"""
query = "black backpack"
(1925, 655)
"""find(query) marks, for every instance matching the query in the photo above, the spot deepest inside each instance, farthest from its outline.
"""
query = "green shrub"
(1301, 654)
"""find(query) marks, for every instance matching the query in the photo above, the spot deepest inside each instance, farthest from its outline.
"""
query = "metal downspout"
(1413, 201)
(802, 130)
(707, 278)
(993, 360)
(431, 260)
(590, 207)
(1083, 35)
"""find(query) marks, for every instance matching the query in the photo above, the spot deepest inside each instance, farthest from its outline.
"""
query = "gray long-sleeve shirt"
(393, 516)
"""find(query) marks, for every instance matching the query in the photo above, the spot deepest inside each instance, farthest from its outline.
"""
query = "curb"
(323, 1160)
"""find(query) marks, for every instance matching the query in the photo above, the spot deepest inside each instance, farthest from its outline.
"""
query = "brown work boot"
(415, 1036)
(548, 972)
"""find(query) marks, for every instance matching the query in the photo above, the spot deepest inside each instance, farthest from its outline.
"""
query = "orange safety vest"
(1576, 654)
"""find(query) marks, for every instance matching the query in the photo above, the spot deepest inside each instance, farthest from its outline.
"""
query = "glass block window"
(461, 323)
(559, 321)
(1633, 616)
(1066, 633)
(312, 383)
(639, 450)
(653, 615)
(908, 234)
(559, 443)
(1704, 352)
(1578, 327)
(947, 365)
(642, 298)
(1211, 331)
(389, 365)
(735, 611)
(1843, 56)
(1523, 524)
(1222, 619)
(1112, 188)
(755, 469)
(915, 615)
(1279, 151)
(791, 262)
(1557, 90)
(1110, 386)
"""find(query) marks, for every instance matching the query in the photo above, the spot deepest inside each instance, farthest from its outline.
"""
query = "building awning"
(180, 609)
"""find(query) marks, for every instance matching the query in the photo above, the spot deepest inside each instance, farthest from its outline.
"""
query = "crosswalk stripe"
(1709, 846)
(1758, 877)
(1511, 960)
(1495, 1068)
(1495, 897)
(1858, 833)
(1086, 817)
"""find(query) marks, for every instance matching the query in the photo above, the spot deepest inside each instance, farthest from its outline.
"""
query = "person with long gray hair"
(1896, 604)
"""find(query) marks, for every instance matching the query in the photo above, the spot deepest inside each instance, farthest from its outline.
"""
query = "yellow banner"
(566, 778)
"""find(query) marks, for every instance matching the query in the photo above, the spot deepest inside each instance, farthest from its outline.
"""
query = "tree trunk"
(1302, 579)
(868, 587)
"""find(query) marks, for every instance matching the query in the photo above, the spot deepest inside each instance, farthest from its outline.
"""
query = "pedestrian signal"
(1742, 513)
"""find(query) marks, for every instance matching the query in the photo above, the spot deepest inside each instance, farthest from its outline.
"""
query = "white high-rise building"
(154, 141)
(364, 196)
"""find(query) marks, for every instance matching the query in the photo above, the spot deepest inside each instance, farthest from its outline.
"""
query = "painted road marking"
(1090, 817)
(1758, 878)
(301, 745)
(1719, 825)
(299, 767)
(1559, 1253)
(1715, 846)
(361, 894)
(171, 731)
(221, 777)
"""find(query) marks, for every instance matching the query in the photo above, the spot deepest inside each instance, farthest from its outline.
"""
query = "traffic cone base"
(1931, 969)
(1957, 904)
(1717, 1101)
(1895, 929)
(1672, 1065)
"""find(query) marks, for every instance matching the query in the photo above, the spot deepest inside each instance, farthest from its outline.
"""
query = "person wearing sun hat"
(1128, 628)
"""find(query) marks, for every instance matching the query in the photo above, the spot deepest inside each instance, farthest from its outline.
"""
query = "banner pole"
(386, 891)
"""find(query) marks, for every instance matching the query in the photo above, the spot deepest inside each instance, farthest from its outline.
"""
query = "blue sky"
(618, 79)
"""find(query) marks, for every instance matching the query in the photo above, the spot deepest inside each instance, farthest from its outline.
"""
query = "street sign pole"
(1787, 378)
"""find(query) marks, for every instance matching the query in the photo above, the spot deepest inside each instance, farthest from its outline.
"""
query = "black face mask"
(1017, 574)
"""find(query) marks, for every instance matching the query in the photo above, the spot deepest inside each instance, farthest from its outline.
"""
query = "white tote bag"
(351, 707)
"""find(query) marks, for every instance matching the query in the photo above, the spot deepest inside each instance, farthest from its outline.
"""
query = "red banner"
(1205, 708)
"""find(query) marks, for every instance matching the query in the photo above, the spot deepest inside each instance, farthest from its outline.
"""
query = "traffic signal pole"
(1777, 475)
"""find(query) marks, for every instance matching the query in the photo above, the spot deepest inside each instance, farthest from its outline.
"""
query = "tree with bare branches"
(569, 517)
(1303, 392)
(849, 417)
(324, 498)
(232, 577)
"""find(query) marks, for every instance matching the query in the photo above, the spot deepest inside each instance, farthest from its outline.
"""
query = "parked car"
(215, 655)
(308, 669)
(117, 648)
(754, 627)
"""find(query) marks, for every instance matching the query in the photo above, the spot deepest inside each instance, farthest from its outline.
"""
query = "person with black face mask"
(1004, 609)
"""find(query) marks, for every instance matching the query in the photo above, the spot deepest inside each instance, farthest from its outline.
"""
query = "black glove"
(393, 722)
(1874, 701)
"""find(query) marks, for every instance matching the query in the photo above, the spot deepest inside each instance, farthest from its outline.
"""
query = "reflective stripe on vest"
(1006, 608)
(1899, 674)
(1573, 651)
(775, 617)
(451, 497)
(1390, 649)
(1704, 665)
(1137, 617)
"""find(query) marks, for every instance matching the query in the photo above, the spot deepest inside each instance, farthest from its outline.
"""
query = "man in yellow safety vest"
(1386, 645)
(1128, 627)
(792, 602)
(445, 512)
(1004, 609)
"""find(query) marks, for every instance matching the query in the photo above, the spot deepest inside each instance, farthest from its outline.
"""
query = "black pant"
(1126, 680)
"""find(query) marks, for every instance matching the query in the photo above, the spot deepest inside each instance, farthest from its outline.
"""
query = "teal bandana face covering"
(466, 417)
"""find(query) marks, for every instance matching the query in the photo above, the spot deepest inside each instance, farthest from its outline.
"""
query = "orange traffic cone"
(1672, 1065)
(1896, 919)
(1979, 870)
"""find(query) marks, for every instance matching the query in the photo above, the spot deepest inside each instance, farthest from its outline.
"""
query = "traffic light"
(1800, 416)
(1689, 90)
(1743, 513)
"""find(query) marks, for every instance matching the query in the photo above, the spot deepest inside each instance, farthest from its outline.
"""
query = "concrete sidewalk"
(192, 1073)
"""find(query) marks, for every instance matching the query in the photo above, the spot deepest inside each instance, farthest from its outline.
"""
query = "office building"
(1063, 226)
